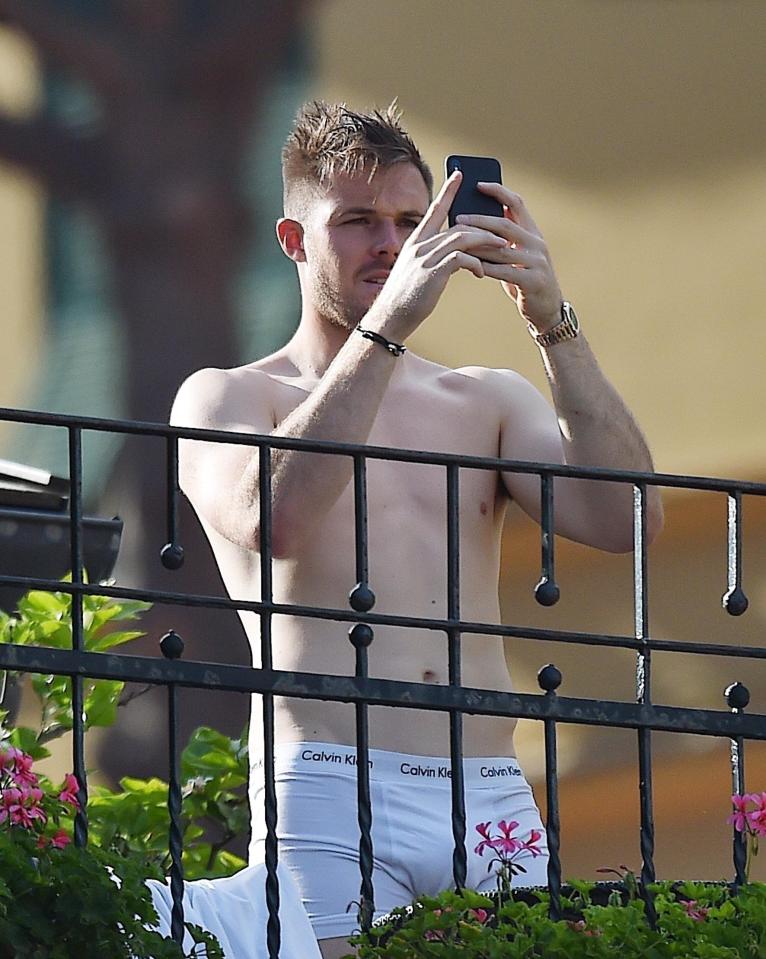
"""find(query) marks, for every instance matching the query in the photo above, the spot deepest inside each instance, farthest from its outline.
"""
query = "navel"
(483, 508)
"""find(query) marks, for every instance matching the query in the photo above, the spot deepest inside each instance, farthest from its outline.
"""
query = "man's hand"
(524, 265)
(428, 258)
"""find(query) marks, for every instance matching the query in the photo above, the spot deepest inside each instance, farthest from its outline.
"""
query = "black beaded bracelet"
(395, 349)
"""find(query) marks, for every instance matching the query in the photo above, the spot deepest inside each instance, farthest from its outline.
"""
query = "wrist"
(566, 327)
(394, 348)
(387, 322)
(540, 325)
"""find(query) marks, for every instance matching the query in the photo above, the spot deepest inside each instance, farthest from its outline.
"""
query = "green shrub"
(58, 901)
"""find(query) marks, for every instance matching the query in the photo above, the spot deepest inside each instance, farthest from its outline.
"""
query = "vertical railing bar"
(78, 700)
(546, 591)
(738, 538)
(737, 697)
(361, 636)
(546, 524)
(459, 857)
(643, 695)
(174, 809)
(735, 601)
(171, 509)
(553, 822)
(273, 929)
(363, 797)
(172, 553)
(360, 519)
(739, 846)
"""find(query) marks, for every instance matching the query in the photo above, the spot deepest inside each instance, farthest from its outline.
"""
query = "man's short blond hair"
(328, 139)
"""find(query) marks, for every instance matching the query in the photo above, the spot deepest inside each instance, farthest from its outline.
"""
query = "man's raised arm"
(591, 426)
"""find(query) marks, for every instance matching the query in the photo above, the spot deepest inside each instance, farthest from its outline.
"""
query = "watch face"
(570, 316)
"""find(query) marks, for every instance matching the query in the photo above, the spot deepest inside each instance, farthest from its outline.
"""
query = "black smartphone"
(469, 199)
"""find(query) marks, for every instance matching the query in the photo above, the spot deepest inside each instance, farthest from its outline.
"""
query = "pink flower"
(699, 914)
(22, 807)
(506, 843)
(530, 845)
(18, 766)
(22, 773)
(482, 829)
(756, 818)
(70, 791)
(60, 839)
(7, 758)
(9, 799)
(480, 914)
(739, 818)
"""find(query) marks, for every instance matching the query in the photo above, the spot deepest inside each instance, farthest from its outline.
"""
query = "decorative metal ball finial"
(172, 645)
(734, 601)
(172, 556)
(361, 635)
(361, 598)
(547, 592)
(737, 695)
(549, 678)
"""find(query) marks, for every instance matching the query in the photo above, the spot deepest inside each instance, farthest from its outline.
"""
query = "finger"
(502, 226)
(513, 201)
(436, 214)
(526, 280)
(460, 260)
(510, 256)
(445, 244)
(462, 238)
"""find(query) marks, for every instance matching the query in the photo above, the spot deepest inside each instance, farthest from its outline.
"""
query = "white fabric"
(412, 838)
(234, 910)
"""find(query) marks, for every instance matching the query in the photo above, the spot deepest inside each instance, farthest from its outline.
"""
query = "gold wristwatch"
(567, 328)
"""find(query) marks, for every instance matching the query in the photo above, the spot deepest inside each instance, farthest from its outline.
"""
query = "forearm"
(342, 408)
(598, 430)
(597, 427)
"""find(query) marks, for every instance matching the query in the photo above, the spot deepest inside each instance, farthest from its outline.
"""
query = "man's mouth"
(377, 279)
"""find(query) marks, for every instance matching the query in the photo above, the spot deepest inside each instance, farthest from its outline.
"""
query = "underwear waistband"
(391, 766)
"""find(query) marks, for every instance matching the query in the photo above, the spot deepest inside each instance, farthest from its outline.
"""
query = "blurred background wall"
(631, 128)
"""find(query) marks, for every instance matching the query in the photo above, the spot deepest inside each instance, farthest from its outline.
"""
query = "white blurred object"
(234, 910)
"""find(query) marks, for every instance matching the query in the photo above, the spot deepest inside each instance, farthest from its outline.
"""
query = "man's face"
(353, 235)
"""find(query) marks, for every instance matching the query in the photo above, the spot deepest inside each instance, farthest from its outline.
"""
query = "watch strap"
(568, 328)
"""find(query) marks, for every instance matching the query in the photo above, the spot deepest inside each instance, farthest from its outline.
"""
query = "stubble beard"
(331, 305)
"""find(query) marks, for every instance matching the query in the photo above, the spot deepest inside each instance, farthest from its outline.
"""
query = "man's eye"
(411, 223)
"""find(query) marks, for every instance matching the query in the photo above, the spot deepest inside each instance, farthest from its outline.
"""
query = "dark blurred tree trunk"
(178, 84)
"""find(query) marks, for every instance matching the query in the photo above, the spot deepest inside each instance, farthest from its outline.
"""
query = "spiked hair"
(328, 139)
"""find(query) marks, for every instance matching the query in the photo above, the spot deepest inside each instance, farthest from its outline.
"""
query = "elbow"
(621, 537)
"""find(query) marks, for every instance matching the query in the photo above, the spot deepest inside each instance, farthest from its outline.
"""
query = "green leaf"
(25, 739)
(98, 644)
(102, 702)
(38, 601)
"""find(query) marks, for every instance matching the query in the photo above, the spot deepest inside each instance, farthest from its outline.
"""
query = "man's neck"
(315, 345)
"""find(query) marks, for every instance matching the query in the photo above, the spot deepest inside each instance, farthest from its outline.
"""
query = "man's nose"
(388, 239)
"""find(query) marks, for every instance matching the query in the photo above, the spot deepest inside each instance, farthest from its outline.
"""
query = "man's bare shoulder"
(239, 398)
(503, 385)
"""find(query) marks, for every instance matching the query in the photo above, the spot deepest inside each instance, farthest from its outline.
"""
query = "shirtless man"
(371, 251)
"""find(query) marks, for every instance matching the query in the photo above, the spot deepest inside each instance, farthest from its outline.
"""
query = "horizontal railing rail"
(363, 690)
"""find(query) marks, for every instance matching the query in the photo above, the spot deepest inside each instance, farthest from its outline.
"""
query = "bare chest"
(407, 514)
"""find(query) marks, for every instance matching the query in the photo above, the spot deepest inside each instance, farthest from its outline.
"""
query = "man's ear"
(290, 235)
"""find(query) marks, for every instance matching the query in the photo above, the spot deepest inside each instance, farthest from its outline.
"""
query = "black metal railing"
(364, 691)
